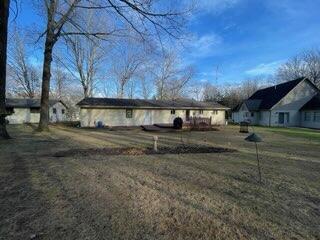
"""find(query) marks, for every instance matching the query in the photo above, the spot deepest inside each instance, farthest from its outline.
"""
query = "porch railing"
(200, 122)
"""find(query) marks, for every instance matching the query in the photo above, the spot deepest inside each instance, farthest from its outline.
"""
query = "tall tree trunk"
(46, 75)
(85, 91)
(4, 15)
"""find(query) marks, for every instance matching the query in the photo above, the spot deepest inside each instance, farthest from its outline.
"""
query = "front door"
(187, 115)
(284, 118)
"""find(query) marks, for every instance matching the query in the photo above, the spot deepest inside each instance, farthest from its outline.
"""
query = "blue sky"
(249, 38)
(244, 38)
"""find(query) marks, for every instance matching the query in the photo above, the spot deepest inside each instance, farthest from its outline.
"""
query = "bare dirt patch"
(183, 149)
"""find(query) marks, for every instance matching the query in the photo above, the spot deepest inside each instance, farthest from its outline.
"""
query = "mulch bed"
(183, 149)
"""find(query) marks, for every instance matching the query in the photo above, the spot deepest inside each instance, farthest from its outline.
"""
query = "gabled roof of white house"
(146, 103)
(265, 99)
(28, 102)
(272, 95)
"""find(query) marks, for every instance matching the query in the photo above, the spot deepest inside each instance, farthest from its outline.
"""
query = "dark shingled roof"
(270, 96)
(27, 103)
(141, 103)
(253, 105)
(313, 104)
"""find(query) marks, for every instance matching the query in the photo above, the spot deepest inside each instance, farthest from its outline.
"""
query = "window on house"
(63, 111)
(200, 111)
(34, 110)
(215, 112)
(252, 114)
(54, 110)
(129, 113)
(307, 116)
(316, 117)
(173, 111)
(283, 118)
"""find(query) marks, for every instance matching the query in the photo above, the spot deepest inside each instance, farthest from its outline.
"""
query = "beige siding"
(58, 116)
(20, 115)
(117, 117)
(311, 123)
(264, 118)
(23, 115)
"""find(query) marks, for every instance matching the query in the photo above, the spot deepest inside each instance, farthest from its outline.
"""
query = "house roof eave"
(151, 108)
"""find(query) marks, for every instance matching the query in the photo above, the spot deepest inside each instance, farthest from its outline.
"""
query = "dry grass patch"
(90, 193)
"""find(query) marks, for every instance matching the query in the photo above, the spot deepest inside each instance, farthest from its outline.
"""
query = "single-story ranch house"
(137, 112)
(293, 103)
(28, 110)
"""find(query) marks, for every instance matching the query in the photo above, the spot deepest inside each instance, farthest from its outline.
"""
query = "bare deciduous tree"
(4, 15)
(306, 64)
(86, 55)
(249, 87)
(60, 78)
(125, 67)
(211, 93)
(145, 87)
(23, 75)
(170, 79)
(87, 58)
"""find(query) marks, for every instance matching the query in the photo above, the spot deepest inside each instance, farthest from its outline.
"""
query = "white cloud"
(264, 68)
(215, 6)
(205, 45)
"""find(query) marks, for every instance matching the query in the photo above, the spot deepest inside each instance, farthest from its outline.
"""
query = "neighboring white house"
(28, 110)
(136, 112)
(280, 105)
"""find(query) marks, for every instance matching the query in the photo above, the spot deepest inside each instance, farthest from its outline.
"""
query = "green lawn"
(167, 196)
(310, 134)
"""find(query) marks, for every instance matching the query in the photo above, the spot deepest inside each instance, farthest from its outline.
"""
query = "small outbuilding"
(28, 110)
(137, 112)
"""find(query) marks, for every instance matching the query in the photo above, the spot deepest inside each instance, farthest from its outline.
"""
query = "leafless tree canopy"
(170, 78)
(211, 93)
(126, 64)
(306, 64)
(24, 77)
